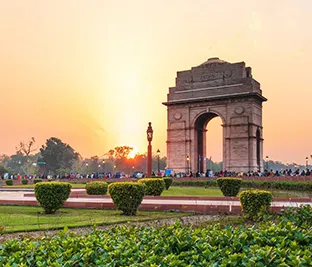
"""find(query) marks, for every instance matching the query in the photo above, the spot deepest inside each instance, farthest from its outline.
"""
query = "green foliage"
(96, 188)
(52, 195)
(256, 184)
(280, 185)
(168, 182)
(127, 196)
(255, 202)
(154, 186)
(300, 216)
(269, 244)
(3, 170)
(229, 186)
(37, 181)
(24, 181)
(58, 155)
(9, 182)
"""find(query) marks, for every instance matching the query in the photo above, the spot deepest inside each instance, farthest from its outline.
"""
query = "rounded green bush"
(127, 196)
(229, 186)
(168, 182)
(9, 182)
(52, 195)
(255, 201)
(96, 188)
(154, 186)
(37, 181)
(24, 181)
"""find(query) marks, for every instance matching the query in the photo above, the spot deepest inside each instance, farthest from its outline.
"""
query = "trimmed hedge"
(52, 195)
(9, 182)
(96, 188)
(154, 186)
(25, 181)
(37, 181)
(255, 201)
(127, 196)
(229, 186)
(168, 182)
(256, 184)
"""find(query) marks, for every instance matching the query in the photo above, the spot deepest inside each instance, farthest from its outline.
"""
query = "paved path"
(202, 206)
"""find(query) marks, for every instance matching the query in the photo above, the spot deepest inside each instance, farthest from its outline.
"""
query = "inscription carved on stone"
(215, 88)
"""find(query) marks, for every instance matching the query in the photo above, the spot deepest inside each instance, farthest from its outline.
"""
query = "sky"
(95, 72)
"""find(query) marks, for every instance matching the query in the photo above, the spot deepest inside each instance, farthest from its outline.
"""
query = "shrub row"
(281, 185)
(269, 244)
(153, 186)
(96, 188)
(9, 182)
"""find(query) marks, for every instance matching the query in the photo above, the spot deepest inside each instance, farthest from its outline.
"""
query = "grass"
(192, 191)
(25, 218)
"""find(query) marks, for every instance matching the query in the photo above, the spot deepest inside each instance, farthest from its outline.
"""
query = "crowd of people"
(207, 174)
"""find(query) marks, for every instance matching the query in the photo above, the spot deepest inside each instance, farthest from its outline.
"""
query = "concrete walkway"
(156, 203)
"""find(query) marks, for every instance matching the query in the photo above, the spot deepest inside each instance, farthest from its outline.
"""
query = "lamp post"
(307, 162)
(149, 133)
(188, 164)
(267, 163)
(158, 153)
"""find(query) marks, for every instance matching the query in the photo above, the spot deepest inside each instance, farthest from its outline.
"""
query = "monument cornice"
(216, 97)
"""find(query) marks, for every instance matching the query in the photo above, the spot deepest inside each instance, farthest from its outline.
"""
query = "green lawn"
(192, 191)
(24, 218)
(216, 192)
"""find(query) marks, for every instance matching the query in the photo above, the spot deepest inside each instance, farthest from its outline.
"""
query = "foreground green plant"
(52, 195)
(268, 244)
(300, 216)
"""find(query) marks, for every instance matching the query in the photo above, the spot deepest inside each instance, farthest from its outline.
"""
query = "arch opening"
(208, 146)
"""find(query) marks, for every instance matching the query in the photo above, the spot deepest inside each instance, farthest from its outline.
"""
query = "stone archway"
(200, 148)
(215, 88)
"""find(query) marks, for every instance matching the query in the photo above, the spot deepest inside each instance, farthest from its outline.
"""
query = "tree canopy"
(58, 155)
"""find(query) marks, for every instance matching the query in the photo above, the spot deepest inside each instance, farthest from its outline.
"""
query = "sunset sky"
(94, 73)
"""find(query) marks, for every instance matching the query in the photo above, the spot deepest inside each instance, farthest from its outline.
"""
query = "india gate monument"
(215, 88)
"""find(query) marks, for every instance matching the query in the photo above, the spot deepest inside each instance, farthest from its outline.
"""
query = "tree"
(26, 148)
(3, 170)
(58, 155)
(122, 152)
